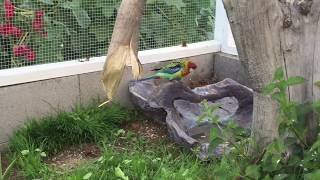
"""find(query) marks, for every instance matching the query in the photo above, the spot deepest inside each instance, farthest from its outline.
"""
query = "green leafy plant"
(229, 134)
(52, 31)
(31, 161)
(287, 157)
(291, 115)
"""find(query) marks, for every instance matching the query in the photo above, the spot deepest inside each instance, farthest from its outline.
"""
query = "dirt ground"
(77, 155)
(4, 164)
(74, 156)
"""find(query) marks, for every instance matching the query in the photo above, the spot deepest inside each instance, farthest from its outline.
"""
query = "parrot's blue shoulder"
(172, 68)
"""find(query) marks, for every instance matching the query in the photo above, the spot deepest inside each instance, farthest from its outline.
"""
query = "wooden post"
(273, 33)
(123, 47)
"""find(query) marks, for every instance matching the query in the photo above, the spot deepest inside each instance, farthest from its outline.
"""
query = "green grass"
(124, 155)
(84, 124)
(163, 160)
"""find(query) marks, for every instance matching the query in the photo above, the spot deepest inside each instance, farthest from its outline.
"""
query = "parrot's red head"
(191, 65)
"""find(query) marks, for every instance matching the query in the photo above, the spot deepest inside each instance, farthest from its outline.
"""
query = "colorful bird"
(173, 71)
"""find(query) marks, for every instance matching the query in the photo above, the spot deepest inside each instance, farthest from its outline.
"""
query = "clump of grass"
(141, 160)
(84, 124)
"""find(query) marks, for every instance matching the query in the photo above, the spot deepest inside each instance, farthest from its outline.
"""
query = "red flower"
(10, 29)
(38, 23)
(25, 51)
(9, 9)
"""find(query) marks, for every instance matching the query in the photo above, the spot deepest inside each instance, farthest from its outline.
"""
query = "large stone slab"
(179, 107)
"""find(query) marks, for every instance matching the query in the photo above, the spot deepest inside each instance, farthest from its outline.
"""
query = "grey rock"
(179, 107)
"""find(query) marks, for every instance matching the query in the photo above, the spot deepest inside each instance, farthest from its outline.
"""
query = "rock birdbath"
(178, 107)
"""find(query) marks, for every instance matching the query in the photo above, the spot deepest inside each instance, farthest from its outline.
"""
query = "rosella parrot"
(173, 71)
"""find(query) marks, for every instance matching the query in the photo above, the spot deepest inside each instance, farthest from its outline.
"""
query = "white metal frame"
(223, 42)
(222, 31)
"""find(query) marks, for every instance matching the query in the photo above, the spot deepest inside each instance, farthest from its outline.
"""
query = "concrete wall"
(229, 66)
(21, 102)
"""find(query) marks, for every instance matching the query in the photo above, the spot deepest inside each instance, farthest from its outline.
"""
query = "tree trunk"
(123, 47)
(274, 33)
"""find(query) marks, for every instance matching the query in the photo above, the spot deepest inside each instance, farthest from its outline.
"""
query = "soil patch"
(74, 156)
(4, 164)
(148, 129)
(200, 83)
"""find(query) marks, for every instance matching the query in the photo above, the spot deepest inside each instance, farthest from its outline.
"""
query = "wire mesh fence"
(44, 31)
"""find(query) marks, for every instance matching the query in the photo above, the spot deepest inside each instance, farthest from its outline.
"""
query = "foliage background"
(83, 28)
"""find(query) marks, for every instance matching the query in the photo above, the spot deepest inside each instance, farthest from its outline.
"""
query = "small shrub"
(288, 157)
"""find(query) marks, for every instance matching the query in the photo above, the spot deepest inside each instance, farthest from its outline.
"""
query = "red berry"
(9, 9)
(10, 29)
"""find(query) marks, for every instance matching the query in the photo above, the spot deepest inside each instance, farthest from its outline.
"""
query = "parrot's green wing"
(171, 67)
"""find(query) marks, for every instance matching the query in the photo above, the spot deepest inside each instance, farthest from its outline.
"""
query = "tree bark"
(123, 47)
(274, 33)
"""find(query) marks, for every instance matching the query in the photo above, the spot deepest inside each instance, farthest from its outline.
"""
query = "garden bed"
(130, 147)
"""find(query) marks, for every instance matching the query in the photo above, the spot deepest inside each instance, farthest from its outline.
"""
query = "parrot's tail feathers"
(148, 78)
(156, 69)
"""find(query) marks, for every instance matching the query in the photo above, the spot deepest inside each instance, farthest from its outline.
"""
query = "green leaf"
(25, 152)
(214, 143)
(151, 1)
(279, 74)
(101, 31)
(280, 176)
(80, 14)
(87, 176)
(101, 159)
(278, 96)
(43, 154)
(29, 4)
(317, 84)
(49, 2)
(312, 176)
(82, 17)
(316, 106)
(269, 88)
(214, 133)
(267, 177)
(108, 6)
(276, 147)
(120, 132)
(295, 80)
(127, 161)
(315, 146)
(253, 171)
(290, 141)
(206, 3)
(119, 173)
(177, 3)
